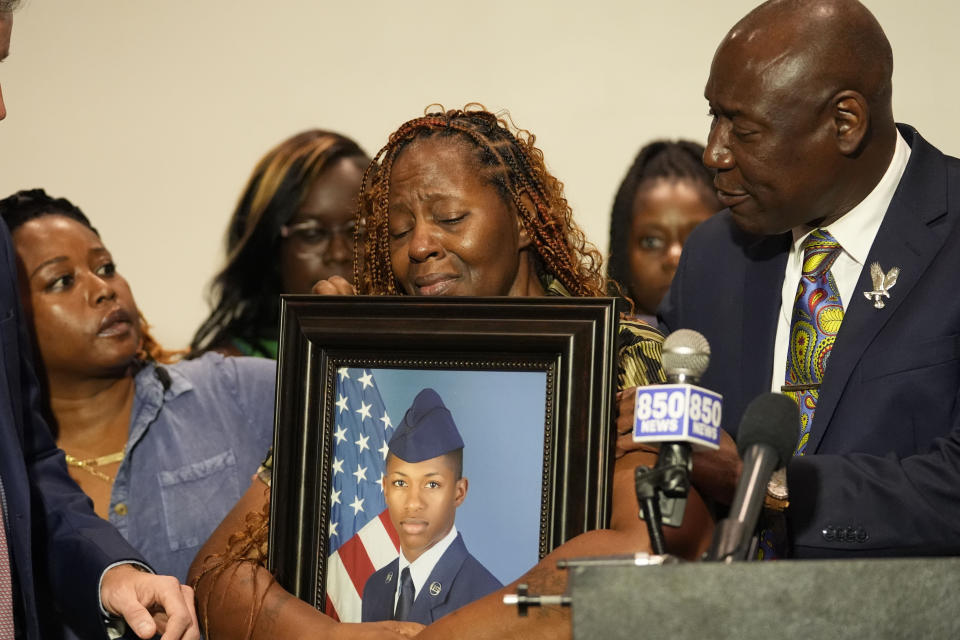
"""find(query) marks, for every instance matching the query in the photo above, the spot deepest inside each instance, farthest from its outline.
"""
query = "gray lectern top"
(835, 599)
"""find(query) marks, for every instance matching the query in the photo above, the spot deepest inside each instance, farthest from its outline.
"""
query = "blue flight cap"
(426, 431)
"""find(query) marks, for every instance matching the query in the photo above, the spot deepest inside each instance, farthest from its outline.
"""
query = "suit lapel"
(905, 239)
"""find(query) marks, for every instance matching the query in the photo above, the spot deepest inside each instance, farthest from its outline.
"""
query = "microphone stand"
(663, 489)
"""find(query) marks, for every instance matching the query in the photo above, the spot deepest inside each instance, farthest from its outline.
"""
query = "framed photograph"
(371, 389)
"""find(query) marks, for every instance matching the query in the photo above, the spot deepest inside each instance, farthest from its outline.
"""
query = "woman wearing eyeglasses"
(292, 227)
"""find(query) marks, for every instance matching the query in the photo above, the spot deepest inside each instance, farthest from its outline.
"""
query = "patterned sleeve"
(638, 354)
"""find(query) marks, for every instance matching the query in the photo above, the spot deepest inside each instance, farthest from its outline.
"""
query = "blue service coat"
(456, 580)
(881, 474)
(58, 545)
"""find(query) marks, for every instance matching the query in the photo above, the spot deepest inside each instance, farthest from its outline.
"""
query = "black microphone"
(766, 440)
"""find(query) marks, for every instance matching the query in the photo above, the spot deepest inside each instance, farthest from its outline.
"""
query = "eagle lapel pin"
(882, 283)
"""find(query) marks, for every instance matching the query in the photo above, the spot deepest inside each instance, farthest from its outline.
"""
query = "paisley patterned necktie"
(817, 314)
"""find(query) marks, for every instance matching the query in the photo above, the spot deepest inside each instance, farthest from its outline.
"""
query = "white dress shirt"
(855, 231)
(421, 567)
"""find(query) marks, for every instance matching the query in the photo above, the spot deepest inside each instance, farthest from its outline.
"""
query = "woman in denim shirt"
(163, 448)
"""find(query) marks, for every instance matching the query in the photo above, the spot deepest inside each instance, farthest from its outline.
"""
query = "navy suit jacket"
(57, 543)
(456, 580)
(881, 474)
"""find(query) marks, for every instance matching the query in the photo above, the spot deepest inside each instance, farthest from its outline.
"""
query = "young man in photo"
(423, 486)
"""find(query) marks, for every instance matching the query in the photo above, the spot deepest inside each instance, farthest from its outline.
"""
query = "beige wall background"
(150, 114)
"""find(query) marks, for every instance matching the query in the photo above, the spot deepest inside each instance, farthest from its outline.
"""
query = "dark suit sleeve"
(71, 545)
(862, 504)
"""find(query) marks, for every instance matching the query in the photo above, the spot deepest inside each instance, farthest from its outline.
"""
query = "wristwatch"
(777, 498)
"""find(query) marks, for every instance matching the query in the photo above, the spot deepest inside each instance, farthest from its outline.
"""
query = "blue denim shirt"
(191, 452)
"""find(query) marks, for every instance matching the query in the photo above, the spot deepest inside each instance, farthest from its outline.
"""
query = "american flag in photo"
(362, 538)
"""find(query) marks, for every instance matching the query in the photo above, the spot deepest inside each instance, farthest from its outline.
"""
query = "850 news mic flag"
(676, 416)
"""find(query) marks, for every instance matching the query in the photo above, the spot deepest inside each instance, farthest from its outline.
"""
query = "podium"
(834, 599)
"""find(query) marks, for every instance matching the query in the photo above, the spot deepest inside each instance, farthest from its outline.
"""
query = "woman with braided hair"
(456, 203)
(471, 154)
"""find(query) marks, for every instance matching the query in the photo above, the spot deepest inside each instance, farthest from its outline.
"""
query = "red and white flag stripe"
(373, 547)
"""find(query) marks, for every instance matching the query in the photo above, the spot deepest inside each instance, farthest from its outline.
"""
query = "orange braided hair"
(514, 166)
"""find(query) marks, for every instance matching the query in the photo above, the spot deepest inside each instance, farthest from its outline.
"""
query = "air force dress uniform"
(457, 578)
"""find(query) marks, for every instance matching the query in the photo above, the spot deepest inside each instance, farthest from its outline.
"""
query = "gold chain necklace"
(90, 464)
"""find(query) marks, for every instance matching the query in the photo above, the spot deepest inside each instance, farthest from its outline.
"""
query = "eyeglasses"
(318, 234)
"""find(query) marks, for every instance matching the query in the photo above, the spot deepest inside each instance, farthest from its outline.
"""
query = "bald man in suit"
(820, 184)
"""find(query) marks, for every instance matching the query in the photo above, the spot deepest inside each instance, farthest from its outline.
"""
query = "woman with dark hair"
(293, 226)
(457, 203)
(162, 448)
(665, 194)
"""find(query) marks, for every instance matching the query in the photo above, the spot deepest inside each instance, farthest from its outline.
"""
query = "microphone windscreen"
(772, 419)
(685, 352)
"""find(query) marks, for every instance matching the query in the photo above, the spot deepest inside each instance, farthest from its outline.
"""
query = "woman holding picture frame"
(456, 204)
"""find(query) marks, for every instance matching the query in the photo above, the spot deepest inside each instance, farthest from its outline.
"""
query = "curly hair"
(28, 204)
(244, 294)
(511, 163)
(659, 160)
(514, 165)
(245, 547)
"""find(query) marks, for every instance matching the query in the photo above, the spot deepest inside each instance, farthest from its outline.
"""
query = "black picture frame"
(573, 340)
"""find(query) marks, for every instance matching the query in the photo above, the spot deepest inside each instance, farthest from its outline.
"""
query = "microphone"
(677, 416)
(680, 411)
(767, 437)
(686, 355)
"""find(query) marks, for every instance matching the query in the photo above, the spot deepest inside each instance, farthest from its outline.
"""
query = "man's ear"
(462, 486)
(851, 118)
(525, 238)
